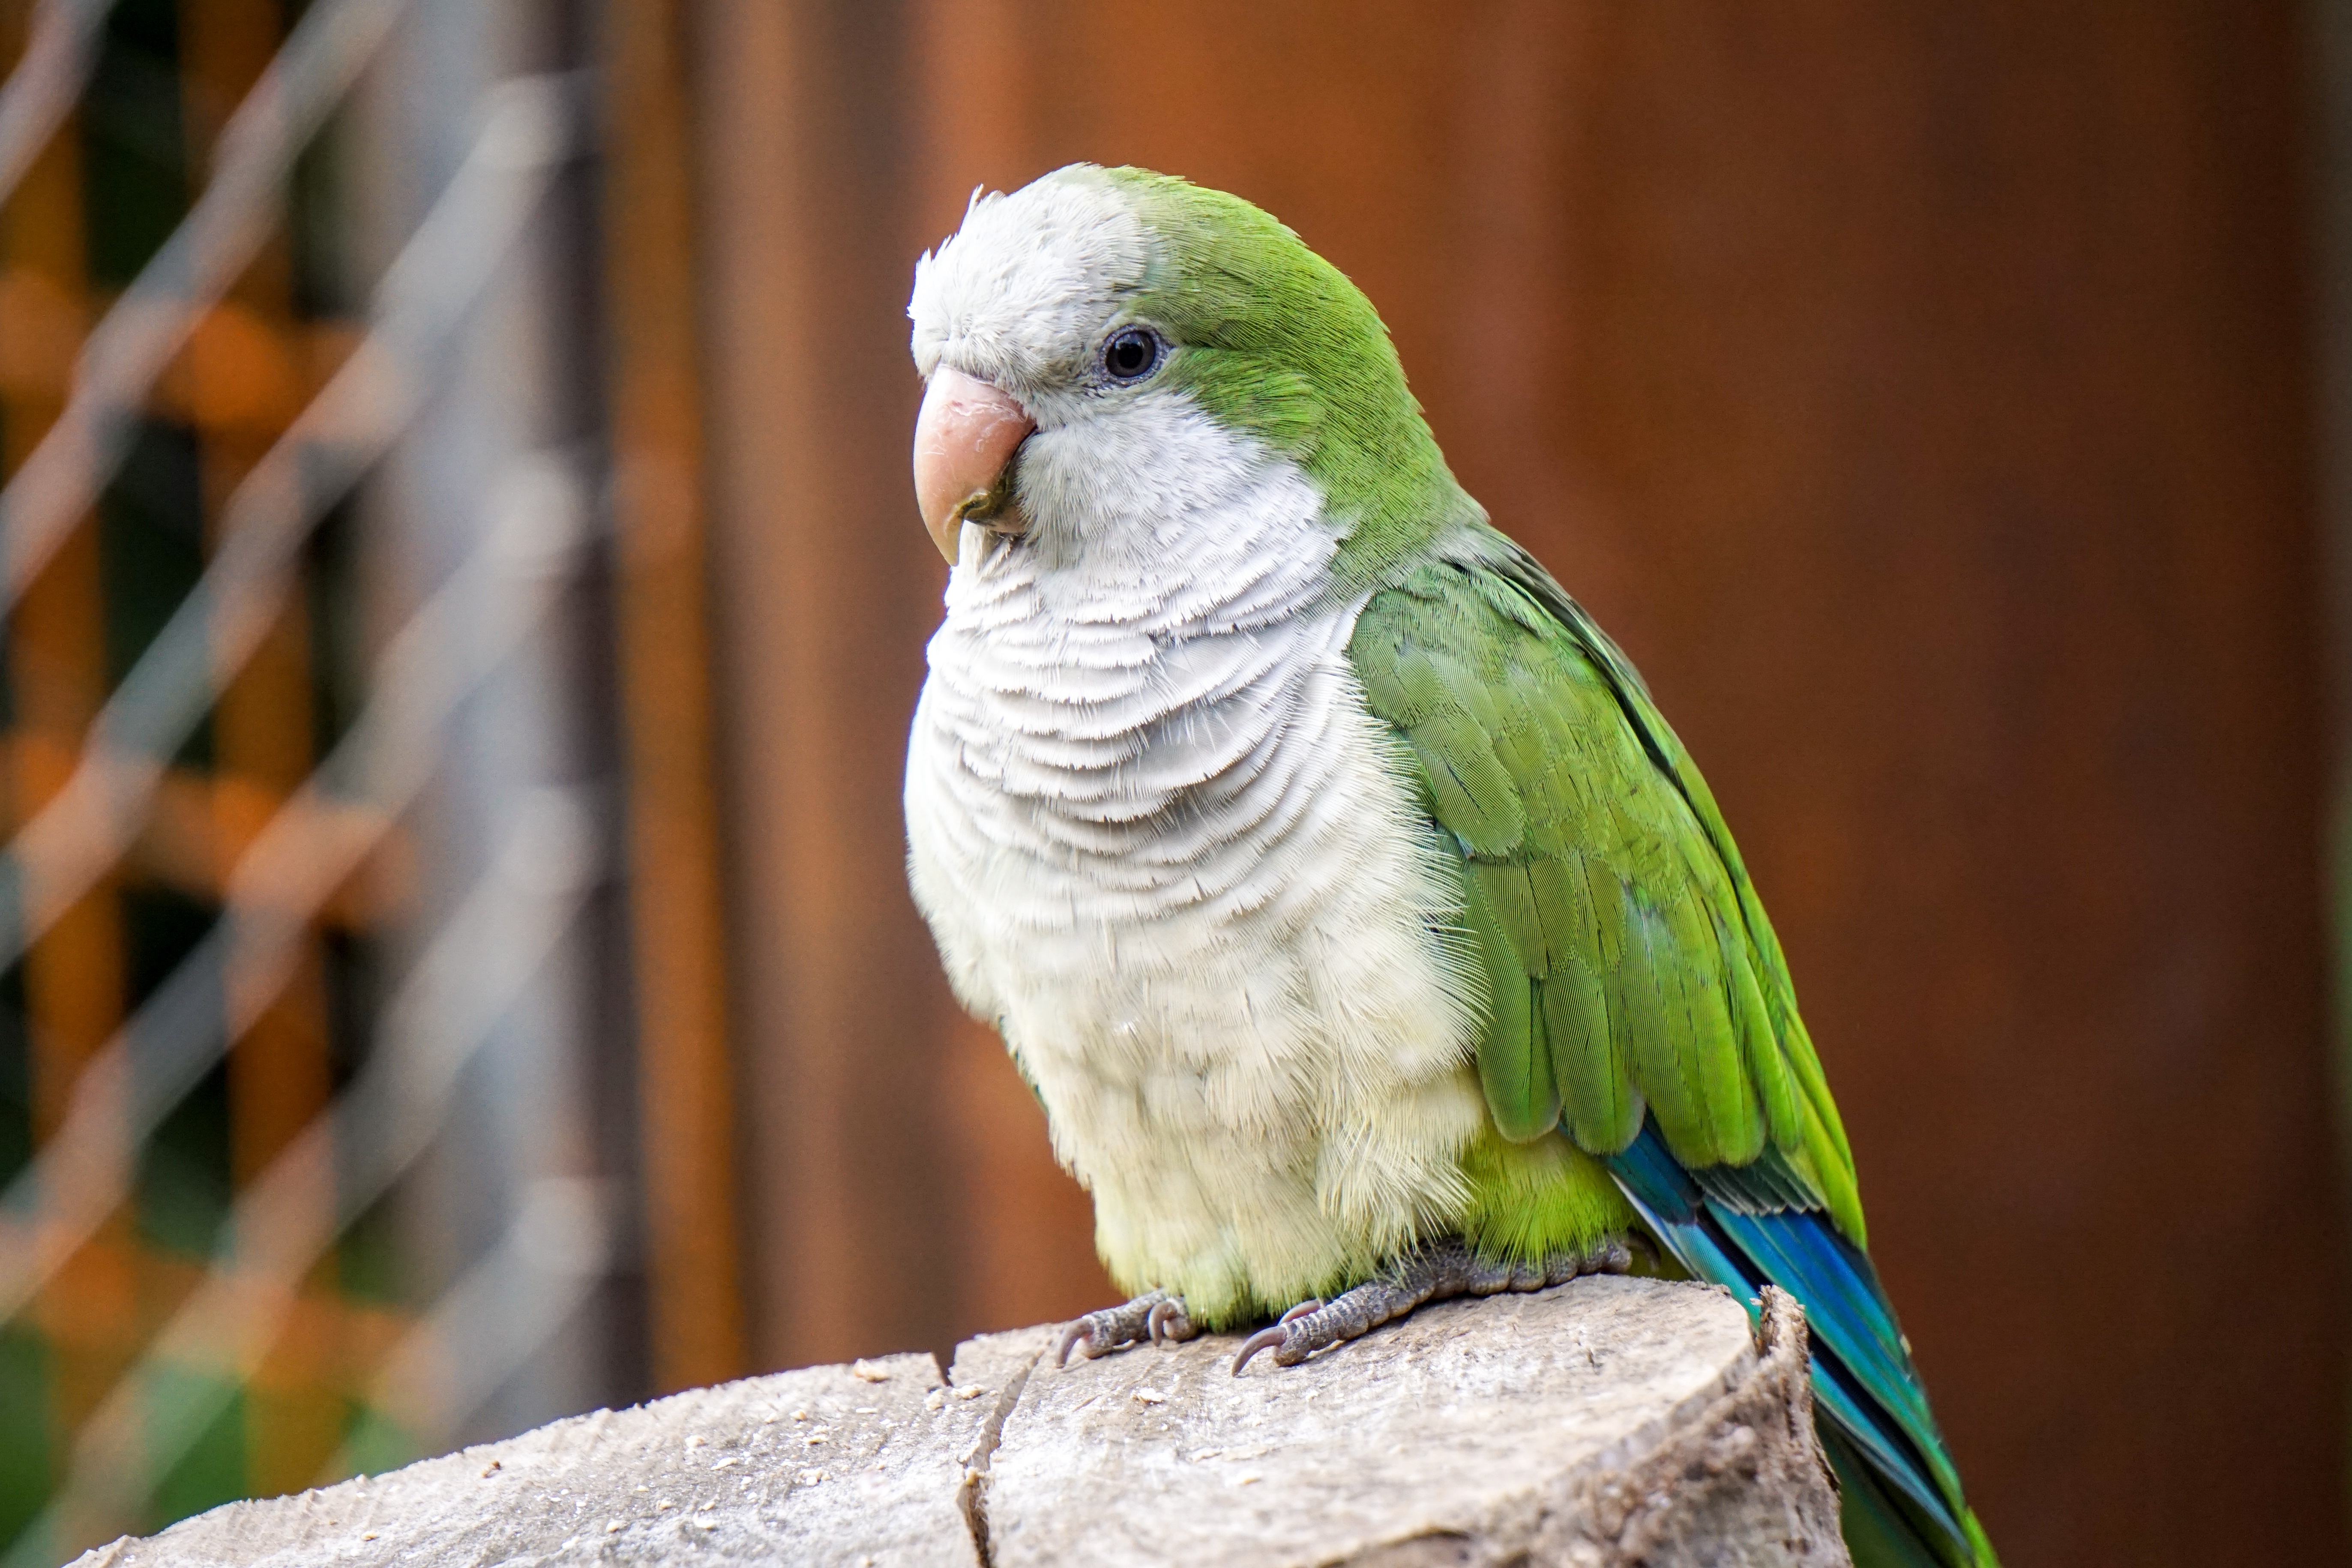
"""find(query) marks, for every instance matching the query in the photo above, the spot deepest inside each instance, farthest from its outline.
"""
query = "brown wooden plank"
(685, 1069)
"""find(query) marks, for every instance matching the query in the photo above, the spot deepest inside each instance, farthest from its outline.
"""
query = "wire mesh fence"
(321, 983)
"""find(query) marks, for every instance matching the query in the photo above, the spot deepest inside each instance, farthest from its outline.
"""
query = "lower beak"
(964, 441)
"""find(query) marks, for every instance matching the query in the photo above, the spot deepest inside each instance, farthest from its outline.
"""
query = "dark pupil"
(1131, 355)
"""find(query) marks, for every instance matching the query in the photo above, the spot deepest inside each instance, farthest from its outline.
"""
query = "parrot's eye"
(1131, 353)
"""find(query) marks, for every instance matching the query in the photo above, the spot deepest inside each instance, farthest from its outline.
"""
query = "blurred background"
(463, 603)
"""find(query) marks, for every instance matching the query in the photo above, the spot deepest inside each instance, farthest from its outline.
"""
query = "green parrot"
(1363, 929)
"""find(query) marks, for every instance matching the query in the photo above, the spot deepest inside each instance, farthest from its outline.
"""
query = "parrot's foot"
(1156, 1315)
(1432, 1273)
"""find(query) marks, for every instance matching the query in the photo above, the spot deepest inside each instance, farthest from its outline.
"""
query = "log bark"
(1607, 1421)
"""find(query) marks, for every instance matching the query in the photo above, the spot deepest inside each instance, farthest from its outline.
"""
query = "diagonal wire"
(48, 80)
(445, 1011)
(469, 628)
(130, 348)
(83, 830)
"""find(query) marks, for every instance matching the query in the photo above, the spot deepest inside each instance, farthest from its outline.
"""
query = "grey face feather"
(1025, 292)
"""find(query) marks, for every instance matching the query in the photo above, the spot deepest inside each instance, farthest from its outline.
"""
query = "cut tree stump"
(1606, 1422)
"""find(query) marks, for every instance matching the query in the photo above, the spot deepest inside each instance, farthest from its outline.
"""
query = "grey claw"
(1265, 1339)
(1156, 1315)
(1312, 1304)
(1162, 1324)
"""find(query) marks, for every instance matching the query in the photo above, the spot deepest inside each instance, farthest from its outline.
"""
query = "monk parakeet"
(1366, 934)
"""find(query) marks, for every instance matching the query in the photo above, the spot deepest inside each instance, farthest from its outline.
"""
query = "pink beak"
(964, 441)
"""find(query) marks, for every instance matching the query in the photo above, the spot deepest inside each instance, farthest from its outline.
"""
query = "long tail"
(1902, 1504)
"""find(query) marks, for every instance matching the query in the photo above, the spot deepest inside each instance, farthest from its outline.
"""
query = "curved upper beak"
(964, 441)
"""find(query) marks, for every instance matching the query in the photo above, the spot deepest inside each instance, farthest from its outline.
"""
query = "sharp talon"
(1312, 1304)
(1070, 1336)
(1156, 1325)
(1262, 1340)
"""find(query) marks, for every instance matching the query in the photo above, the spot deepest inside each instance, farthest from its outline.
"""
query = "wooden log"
(1607, 1421)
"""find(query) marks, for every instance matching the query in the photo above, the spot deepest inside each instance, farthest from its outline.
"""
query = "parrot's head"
(1108, 347)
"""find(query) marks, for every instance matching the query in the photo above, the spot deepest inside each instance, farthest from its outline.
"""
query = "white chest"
(1164, 846)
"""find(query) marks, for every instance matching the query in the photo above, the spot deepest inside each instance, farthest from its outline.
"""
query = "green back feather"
(1629, 965)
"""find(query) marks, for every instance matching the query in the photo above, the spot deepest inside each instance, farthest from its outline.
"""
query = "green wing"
(1629, 965)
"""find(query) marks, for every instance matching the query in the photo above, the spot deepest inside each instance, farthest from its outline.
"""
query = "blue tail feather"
(1679, 1213)
(1863, 1377)
(1850, 1314)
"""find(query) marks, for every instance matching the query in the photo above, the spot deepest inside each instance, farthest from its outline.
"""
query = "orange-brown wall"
(1920, 394)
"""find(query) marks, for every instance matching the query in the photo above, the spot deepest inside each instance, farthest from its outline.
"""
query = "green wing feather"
(1630, 966)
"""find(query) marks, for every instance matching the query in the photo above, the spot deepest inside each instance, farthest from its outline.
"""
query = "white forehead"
(1018, 294)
